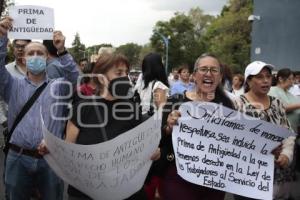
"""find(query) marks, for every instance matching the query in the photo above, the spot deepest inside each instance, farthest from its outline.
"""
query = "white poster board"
(31, 22)
(111, 170)
(223, 149)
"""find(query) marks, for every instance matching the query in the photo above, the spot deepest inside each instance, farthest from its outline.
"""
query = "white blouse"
(145, 94)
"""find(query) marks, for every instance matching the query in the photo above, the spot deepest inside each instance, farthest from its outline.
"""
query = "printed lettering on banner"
(31, 22)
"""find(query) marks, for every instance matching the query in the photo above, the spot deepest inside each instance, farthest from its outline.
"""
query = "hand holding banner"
(223, 149)
(111, 170)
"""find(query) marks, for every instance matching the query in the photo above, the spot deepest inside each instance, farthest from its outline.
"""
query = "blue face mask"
(36, 64)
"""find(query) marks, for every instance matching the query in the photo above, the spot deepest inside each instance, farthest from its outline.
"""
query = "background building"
(276, 33)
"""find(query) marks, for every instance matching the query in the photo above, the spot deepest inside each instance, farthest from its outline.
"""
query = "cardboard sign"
(31, 22)
(111, 170)
(220, 148)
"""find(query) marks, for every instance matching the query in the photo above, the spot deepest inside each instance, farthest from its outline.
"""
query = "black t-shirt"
(117, 117)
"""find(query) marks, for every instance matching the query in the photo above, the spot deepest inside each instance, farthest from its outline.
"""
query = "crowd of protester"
(41, 66)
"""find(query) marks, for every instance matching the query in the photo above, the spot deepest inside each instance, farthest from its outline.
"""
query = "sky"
(117, 22)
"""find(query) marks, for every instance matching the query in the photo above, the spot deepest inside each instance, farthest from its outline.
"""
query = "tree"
(10, 53)
(93, 50)
(184, 32)
(228, 36)
(3, 11)
(146, 49)
(131, 51)
(78, 49)
(4, 4)
(199, 20)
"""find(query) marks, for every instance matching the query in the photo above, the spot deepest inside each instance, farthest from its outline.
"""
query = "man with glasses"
(25, 166)
(17, 68)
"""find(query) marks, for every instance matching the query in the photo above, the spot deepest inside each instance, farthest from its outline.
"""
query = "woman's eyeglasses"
(205, 70)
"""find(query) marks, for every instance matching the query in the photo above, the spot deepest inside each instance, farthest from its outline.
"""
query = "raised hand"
(5, 25)
(59, 41)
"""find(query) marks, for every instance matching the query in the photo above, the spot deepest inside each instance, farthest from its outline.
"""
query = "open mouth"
(207, 82)
(265, 87)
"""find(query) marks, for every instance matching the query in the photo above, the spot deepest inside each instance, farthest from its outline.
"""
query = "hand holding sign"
(219, 148)
(5, 25)
(110, 170)
(282, 161)
(172, 120)
(156, 155)
(42, 148)
(59, 41)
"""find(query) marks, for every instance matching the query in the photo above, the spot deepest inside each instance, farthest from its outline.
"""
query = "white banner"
(31, 22)
(115, 169)
(223, 149)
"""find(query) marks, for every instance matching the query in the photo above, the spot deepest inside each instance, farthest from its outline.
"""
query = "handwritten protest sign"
(115, 169)
(223, 149)
(31, 22)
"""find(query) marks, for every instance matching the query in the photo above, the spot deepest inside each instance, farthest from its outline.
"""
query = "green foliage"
(4, 4)
(10, 54)
(228, 36)
(199, 20)
(190, 35)
(184, 33)
(131, 51)
(146, 49)
(77, 50)
(95, 48)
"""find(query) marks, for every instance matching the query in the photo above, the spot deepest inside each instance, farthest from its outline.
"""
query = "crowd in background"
(261, 92)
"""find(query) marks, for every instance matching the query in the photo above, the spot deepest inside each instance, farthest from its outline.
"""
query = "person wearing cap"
(257, 103)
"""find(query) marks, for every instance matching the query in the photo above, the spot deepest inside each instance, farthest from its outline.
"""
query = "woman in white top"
(237, 84)
(154, 87)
